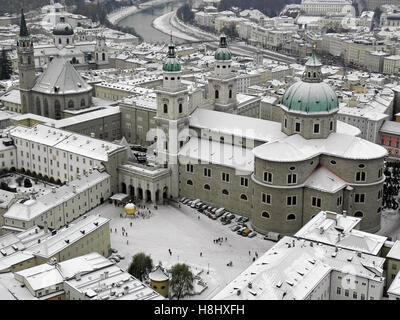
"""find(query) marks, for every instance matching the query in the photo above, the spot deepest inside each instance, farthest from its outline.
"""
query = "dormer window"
(297, 127)
(316, 127)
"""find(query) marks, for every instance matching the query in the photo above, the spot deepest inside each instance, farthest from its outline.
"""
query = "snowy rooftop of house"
(113, 283)
(394, 252)
(338, 230)
(205, 151)
(47, 274)
(67, 236)
(391, 127)
(13, 286)
(12, 96)
(296, 148)
(293, 268)
(66, 141)
(7, 261)
(29, 210)
(368, 112)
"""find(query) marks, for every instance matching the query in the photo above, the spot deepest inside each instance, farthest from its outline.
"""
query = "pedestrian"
(249, 253)
(201, 254)
(115, 230)
(131, 224)
(226, 239)
(127, 241)
(110, 230)
(254, 259)
(126, 233)
(198, 217)
(256, 254)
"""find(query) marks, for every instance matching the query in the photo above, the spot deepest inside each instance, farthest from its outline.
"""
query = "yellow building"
(159, 281)
(393, 263)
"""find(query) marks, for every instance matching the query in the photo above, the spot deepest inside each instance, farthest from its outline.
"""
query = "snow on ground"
(390, 224)
(181, 231)
(40, 188)
(163, 24)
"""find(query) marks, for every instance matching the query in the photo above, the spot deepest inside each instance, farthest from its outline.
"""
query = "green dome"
(310, 97)
(223, 53)
(171, 64)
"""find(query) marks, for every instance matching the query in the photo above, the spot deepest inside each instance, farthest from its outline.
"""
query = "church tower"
(101, 52)
(26, 66)
(222, 84)
(172, 117)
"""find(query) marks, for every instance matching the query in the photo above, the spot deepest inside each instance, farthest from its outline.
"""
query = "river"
(141, 21)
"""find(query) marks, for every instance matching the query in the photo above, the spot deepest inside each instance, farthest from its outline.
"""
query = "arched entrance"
(148, 195)
(123, 187)
(140, 193)
(132, 191)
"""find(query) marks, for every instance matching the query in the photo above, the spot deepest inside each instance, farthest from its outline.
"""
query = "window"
(189, 168)
(331, 126)
(243, 197)
(244, 182)
(285, 123)
(268, 177)
(291, 217)
(207, 187)
(339, 201)
(266, 198)
(291, 178)
(358, 214)
(354, 295)
(265, 214)
(225, 177)
(180, 108)
(362, 296)
(339, 290)
(333, 162)
(359, 198)
(297, 127)
(291, 200)
(189, 182)
(361, 176)
(316, 202)
(216, 94)
(346, 292)
(165, 108)
(316, 127)
(226, 192)
(230, 94)
(207, 172)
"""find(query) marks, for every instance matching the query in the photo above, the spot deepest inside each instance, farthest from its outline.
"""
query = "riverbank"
(124, 12)
(164, 25)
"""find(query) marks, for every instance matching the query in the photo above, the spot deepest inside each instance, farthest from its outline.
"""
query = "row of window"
(180, 108)
(316, 127)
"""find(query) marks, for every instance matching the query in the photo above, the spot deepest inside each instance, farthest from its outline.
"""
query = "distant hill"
(14, 6)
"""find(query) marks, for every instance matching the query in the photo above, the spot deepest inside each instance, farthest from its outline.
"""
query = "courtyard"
(187, 235)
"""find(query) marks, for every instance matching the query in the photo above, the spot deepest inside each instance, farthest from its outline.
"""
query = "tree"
(140, 266)
(27, 183)
(377, 14)
(19, 180)
(181, 280)
(5, 66)
(185, 13)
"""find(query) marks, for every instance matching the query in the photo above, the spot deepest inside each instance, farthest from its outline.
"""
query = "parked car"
(241, 230)
(219, 212)
(204, 207)
(198, 205)
(114, 250)
(252, 234)
(187, 202)
(213, 210)
(246, 232)
(226, 221)
(273, 236)
(213, 216)
(235, 228)
(119, 256)
(231, 216)
(194, 202)
(238, 219)
(245, 219)
(225, 214)
(200, 210)
(206, 212)
(116, 258)
(182, 199)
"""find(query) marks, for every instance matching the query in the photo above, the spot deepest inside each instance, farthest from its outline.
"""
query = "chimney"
(344, 213)
(126, 290)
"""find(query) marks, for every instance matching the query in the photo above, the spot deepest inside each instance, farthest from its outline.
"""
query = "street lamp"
(208, 268)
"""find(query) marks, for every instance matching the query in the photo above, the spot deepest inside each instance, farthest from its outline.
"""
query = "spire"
(222, 41)
(23, 32)
(171, 48)
(313, 66)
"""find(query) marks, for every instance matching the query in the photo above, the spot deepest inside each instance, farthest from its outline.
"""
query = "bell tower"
(26, 66)
(172, 117)
(222, 84)
(101, 52)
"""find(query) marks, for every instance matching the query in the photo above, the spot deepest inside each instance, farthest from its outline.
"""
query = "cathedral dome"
(63, 29)
(223, 53)
(311, 95)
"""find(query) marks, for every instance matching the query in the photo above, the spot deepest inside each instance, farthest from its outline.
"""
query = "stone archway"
(132, 191)
(140, 193)
(148, 195)
(123, 187)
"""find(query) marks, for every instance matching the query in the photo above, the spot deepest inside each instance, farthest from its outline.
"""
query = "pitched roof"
(61, 77)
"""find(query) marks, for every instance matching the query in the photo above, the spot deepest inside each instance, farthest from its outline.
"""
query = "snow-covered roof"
(395, 286)
(394, 252)
(296, 148)
(247, 127)
(325, 180)
(158, 275)
(13, 286)
(29, 210)
(293, 268)
(224, 154)
(338, 230)
(61, 78)
(12, 96)
(391, 127)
